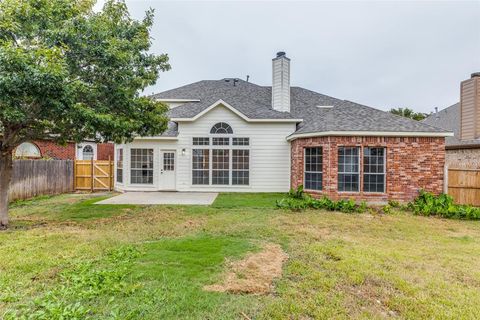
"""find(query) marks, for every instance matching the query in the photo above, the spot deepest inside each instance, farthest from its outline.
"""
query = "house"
(235, 136)
(86, 150)
(463, 118)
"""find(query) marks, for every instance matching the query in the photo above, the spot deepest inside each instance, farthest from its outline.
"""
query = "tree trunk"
(6, 169)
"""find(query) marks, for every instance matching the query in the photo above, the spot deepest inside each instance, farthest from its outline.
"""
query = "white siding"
(269, 153)
(281, 84)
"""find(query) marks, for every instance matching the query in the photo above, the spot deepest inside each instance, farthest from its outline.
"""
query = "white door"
(167, 170)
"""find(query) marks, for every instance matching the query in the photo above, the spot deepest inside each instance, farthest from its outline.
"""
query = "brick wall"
(104, 150)
(53, 150)
(411, 164)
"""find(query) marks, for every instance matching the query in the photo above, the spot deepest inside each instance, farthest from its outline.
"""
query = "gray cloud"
(383, 54)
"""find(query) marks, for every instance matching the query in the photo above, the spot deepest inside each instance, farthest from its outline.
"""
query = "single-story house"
(86, 150)
(463, 118)
(235, 136)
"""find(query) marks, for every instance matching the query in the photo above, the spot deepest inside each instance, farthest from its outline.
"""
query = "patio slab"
(188, 198)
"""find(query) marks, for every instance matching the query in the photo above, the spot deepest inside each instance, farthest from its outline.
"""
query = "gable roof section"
(321, 114)
(449, 119)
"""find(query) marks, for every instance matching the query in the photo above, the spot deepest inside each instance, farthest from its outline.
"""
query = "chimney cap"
(475, 74)
(281, 54)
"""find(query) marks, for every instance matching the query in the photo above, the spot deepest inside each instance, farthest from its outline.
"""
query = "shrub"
(298, 200)
(427, 204)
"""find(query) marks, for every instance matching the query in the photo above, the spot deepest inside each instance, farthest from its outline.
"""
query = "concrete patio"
(152, 198)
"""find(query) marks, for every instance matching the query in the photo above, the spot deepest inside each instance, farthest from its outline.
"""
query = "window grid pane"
(141, 166)
(348, 169)
(201, 141)
(221, 141)
(168, 161)
(241, 141)
(120, 165)
(374, 169)
(220, 166)
(240, 167)
(200, 167)
(313, 168)
(221, 128)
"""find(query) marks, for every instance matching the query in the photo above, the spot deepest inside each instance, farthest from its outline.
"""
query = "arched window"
(221, 128)
(87, 152)
(27, 150)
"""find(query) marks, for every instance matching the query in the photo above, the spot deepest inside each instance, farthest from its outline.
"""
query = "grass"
(65, 256)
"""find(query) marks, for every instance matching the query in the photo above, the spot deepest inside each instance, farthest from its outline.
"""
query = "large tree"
(68, 73)
(409, 113)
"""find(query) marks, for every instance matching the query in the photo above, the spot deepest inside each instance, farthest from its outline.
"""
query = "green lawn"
(67, 258)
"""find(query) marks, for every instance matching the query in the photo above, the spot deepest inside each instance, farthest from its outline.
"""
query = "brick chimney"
(470, 108)
(281, 83)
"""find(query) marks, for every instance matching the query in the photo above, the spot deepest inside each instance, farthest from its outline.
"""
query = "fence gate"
(464, 185)
(93, 175)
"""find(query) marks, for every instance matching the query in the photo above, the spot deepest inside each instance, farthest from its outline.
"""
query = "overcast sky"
(382, 54)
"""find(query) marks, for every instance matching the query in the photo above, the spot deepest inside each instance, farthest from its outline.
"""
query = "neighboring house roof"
(449, 119)
(318, 112)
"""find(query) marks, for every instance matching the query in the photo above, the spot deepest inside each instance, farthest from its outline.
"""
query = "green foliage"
(387, 209)
(84, 281)
(70, 73)
(394, 204)
(409, 113)
(427, 204)
(296, 193)
(298, 200)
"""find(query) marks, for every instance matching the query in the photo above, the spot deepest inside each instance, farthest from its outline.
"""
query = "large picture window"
(221, 160)
(141, 163)
(374, 169)
(348, 169)
(200, 166)
(120, 165)
(313, 168)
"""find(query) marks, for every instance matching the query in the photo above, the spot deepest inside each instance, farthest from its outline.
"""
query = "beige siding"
(470, 109)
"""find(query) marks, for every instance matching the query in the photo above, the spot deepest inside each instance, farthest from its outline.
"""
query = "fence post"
(445, 179)
(91, 173)
(74, 175)
(109, 173)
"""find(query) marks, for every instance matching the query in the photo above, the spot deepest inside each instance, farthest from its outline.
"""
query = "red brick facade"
(50, 149)
(104, 151)
(411, 164)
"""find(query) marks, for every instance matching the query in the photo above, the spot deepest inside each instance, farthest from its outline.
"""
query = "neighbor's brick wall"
(463, 158)
(105, 150)
(50, 149)
(411, 164)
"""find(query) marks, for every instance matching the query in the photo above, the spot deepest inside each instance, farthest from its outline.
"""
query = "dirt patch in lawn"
(253, 274)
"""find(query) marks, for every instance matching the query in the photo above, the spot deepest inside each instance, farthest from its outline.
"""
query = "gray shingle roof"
(254, 101)
(449, 119)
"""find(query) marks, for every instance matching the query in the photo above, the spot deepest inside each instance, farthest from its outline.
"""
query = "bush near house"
(426, 204)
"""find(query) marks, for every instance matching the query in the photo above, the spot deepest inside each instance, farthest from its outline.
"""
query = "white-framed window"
(349, 169)
(221, 128)
(241, 167)
(141, 166)
(374, 169)
(313, 171)
(27, 150)
(200, 166)
(221, 159)
(120, 165)
(87, 152)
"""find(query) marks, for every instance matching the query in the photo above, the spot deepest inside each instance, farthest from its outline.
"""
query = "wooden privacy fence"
(33, 178)
(464, 185)
(93, 175)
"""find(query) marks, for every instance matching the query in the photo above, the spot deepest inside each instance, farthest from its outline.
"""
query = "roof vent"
(280, 54)
(475, 74)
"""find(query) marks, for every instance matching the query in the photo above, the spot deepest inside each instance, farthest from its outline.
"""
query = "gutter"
(368, 134)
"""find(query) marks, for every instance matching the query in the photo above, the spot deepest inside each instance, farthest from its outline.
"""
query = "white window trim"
(229, 147)
(360, 155)
(305, 168)
(123, 166)
(150, 185)
(384, 171)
